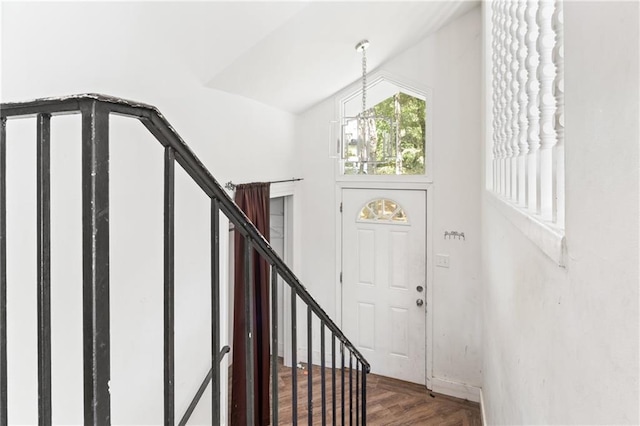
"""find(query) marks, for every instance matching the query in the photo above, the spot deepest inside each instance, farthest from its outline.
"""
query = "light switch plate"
(442, 260)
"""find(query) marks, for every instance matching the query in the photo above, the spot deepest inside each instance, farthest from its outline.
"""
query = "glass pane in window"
(388, 208)
(383, 210)
(376, 206)
(400, 216)
(367, 214)
(388, 139)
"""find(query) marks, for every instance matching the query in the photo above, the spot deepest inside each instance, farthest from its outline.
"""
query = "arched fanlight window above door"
(382, 210)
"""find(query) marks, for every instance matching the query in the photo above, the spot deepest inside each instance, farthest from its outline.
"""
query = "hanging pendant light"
(366, 138)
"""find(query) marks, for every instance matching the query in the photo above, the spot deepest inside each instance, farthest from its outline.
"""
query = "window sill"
(545, 236)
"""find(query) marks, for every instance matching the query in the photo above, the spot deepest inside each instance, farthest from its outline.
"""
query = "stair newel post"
(95, 262)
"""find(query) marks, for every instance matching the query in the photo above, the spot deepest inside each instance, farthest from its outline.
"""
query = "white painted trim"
(429, 288)
(385, 178)
(456, 389)
(289, 245)
(338, 271)
(282, 189)
(291, 257)
(545, 236)
(366, 184)
(483, 412)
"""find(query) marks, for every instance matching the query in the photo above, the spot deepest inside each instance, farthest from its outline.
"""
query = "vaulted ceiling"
(293, 55)
(287, 54)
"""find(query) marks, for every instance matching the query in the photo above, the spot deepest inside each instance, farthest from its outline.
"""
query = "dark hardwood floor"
(394, 402)
(389, 402)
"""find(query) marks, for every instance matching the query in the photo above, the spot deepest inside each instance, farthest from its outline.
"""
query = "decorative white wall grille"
(527, 85)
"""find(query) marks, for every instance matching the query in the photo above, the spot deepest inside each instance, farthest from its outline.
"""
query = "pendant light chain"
(362, 47)
(366, 141)
(364, 81)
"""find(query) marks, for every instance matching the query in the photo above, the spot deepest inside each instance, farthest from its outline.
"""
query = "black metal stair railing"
(95, 111)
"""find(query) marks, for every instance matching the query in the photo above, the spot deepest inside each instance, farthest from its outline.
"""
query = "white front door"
(384, 280)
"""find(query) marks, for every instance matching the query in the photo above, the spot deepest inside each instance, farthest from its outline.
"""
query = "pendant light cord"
(364, 81)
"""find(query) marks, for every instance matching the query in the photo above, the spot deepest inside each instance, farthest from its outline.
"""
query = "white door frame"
(428, 188)
(288, 190)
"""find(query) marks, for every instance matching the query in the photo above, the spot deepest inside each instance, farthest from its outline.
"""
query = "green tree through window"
(399, 121)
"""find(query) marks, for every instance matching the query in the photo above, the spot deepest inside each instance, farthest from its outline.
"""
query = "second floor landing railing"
(95, 111)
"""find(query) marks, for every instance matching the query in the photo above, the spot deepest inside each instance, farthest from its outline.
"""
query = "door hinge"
(340, 207)
(341, 277)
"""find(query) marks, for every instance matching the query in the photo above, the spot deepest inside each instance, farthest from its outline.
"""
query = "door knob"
(419, 288)
(419, 302)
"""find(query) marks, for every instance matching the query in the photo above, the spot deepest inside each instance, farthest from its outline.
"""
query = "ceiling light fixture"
(366, 138)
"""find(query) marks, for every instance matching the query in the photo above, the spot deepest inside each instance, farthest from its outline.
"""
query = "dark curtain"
(253, 199)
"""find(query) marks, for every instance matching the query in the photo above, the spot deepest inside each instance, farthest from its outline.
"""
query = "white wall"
(561, 345)
(449, 63)
(151, 53)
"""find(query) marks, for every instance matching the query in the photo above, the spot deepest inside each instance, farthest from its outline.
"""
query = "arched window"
(382, 210)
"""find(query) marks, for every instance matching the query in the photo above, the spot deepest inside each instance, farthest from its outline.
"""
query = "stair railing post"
(169, 287)
(364, 396)
(249, 330)
(44, 267)
(95, 262)
(215, 311)
(3, 272)
(274, 345)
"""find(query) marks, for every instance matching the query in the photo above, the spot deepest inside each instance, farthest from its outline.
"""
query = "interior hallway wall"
(561, 344)
(449, 63)
(154, 53)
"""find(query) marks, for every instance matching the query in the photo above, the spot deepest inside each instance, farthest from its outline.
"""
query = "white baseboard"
(456, 389)
(482, 412)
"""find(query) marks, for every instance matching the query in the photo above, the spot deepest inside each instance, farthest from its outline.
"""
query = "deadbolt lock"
(419, 288)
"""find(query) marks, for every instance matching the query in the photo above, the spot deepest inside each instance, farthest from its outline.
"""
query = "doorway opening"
(278, 239)
(281, 240)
